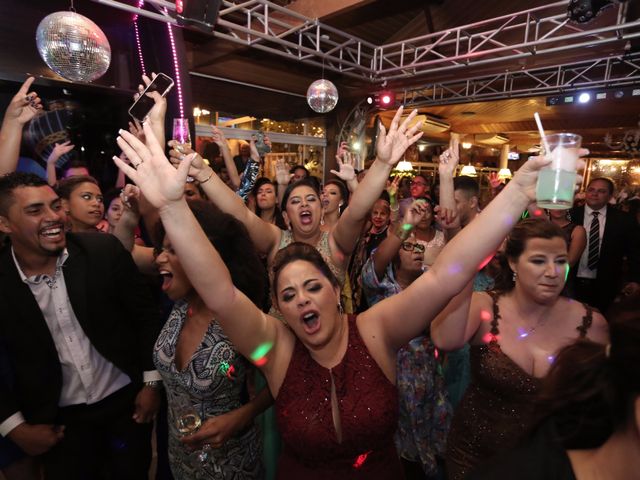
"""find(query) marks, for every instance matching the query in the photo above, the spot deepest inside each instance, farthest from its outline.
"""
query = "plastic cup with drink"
(555, 187)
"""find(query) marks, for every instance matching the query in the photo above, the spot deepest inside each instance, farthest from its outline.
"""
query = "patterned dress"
(425, 411)
(212, 393)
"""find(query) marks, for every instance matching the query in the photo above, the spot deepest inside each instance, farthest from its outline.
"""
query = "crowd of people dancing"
(285, 328)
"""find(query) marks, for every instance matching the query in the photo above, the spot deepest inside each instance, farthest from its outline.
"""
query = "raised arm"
(346, 167)
(283, 177)
(390, 148)
(125, 229)
(232, 170)
(23, 107)
(59, 149)
(158, 112)
(162, 185)
(389, 247)
(265, 236)
(404, 316)
(447, 170)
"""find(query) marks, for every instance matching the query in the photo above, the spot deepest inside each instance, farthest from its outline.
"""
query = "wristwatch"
(155, 384)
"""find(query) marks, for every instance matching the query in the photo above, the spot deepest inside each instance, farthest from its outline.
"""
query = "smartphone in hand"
(262, 147)
(142, 106)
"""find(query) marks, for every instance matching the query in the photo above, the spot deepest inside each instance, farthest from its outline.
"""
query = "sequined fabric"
(368, 408)
(498, 407)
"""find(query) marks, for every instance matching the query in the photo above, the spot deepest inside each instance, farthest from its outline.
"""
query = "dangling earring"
(514, 276)
(340, 309)
(568, 215)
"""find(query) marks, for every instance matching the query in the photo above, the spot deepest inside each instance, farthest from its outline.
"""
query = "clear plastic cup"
(556, 183)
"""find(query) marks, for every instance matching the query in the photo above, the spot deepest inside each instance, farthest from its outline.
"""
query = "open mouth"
(167, 279)
(53, 232)
(306, 218)
(311, 322)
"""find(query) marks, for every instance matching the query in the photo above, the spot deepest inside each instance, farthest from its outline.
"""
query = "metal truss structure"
(608, 72)
(535, 33)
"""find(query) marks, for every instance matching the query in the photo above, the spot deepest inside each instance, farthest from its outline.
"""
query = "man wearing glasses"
(419, 188)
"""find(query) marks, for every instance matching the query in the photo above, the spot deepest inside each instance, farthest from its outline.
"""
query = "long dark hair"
(232, 241)
(516, 244)
(277, 214)
(300, 251)
(591, 388)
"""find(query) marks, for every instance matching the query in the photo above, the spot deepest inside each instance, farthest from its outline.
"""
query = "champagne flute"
(181, 133)
(188, 421)
(182, 137)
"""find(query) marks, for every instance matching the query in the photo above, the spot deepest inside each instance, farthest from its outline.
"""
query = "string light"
(138, 42)
(177, 69)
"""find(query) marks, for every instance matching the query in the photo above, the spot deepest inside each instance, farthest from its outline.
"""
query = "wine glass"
(188, 421)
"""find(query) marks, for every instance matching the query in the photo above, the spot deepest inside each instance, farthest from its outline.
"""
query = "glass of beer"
(556, 183)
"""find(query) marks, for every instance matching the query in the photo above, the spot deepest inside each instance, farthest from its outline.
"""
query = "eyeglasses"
(411, 247)
(416, 184)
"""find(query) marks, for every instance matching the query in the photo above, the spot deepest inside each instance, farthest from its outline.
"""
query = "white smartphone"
(143, 105)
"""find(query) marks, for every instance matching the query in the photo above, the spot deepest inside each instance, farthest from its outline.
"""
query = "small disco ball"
(73, 46)
(322, 96)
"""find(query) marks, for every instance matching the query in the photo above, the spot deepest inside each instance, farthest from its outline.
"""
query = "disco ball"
(322, 96)
(73, 46)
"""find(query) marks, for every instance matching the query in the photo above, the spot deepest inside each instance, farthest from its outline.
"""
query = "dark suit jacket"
(113, 307)
(621, 238)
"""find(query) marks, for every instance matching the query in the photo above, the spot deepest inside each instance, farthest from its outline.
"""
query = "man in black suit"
(79, 327)
(612, 236)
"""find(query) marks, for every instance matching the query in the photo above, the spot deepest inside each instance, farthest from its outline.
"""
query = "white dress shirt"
(87, 377)
(583, 267)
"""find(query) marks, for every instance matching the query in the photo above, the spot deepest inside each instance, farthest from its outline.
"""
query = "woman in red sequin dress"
(333, 376)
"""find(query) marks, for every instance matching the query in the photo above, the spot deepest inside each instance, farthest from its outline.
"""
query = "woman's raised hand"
(391, 145)
(527, 176)
(60, 149)
(283, 177)
(158, 180)
(414, 214)
(179, 152)
(157, 113)
(346, 163)
(218, 137)
(449, 159)
(24, 105)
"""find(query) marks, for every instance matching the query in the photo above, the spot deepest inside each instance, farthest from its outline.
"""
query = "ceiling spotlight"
(466, 145)
(618, 93)
(384, 99)
(584, 97)
(370, 100)
(583, 11)
(356, 145)
(553, 100)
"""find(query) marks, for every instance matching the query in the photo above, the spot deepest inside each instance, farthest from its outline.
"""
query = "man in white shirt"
(612, 237)
(79, 326)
